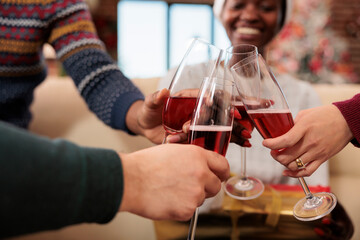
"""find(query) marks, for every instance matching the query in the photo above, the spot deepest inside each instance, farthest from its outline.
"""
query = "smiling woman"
(252, 22)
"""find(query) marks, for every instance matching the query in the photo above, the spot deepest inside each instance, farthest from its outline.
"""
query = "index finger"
(286, 140)
(189, 92)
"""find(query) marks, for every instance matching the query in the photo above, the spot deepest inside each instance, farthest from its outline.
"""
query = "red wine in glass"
(177, 111)
(245, 119)
(272, 123)
(211, 137)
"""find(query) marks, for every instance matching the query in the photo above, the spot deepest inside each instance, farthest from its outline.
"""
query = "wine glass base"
(317, 207)
(238, 188)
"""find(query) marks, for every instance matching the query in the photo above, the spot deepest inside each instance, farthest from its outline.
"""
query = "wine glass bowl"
(178, 110)
(212, 121)
(245, 119)
(266, 105)
(186, 82)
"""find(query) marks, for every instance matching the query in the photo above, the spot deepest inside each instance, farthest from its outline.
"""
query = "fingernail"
(326, 221)
(237, 115)
(246, 144)
(319, 232)
(285, 173)
(245, 133)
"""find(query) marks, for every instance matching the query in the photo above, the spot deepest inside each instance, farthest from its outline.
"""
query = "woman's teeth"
(245, 30)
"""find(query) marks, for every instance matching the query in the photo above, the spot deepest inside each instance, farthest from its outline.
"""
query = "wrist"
(342, 123)
(128, 191)
(132, 120)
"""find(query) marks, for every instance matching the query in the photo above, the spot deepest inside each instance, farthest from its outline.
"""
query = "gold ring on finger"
(299, 163)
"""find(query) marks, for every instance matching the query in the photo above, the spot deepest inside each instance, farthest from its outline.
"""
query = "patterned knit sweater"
(25, 25)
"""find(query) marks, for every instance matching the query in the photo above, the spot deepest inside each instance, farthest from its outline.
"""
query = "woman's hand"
(318, 134)
(240, 135)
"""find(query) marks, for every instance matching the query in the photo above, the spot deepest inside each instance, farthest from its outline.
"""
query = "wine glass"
(266, 105)
(211, 124)
(241, 187)
(200, 61)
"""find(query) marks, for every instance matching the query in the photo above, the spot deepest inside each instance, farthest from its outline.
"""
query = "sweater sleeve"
(107, 92)
(350, 109)
(48, 184)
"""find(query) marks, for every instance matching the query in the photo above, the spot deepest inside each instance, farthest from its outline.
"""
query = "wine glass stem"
(192, 228)
(243, 163)
(305, 187)
(164, 140)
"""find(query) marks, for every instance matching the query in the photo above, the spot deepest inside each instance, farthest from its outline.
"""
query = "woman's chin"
(253, 39)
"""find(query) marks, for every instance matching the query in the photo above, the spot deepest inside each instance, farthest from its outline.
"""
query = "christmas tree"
(308, 48)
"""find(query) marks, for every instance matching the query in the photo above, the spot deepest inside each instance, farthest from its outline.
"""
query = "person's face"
(251, 21)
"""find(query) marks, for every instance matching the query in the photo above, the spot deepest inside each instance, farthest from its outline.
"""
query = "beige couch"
(59, 111)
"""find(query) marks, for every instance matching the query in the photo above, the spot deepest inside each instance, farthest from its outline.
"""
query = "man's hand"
(170, 181)
(145, 117)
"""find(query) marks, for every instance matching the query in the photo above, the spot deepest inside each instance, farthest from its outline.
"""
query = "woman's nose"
(249, 13)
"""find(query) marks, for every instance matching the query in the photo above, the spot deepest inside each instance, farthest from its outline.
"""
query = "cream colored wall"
(345, 166)
(57, 99)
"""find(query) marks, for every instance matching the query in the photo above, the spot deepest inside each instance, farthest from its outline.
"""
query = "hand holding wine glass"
(145, 117)
(170, 181)
(266, 105)
(318, 134)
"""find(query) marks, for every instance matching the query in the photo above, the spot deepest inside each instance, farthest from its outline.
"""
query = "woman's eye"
(267, 6)
(238, 6)
(262, 6)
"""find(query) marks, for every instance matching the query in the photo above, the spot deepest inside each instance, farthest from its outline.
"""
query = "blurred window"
(153, 35)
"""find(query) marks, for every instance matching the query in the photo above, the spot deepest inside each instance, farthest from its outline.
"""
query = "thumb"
(186, 127)
(157, 99)
(218, 165)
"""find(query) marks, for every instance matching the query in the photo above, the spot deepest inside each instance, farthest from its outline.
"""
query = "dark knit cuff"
(350, 109)
(104, 186)
(121, 108)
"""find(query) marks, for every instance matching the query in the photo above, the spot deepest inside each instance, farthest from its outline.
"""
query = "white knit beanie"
(218, 7)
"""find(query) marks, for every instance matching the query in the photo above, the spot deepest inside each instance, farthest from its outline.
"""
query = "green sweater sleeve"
(48, 184)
